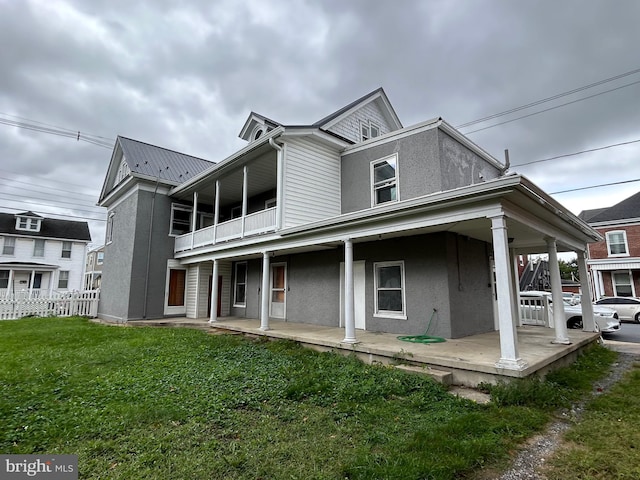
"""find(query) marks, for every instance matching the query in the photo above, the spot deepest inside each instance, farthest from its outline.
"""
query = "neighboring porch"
(466, 361)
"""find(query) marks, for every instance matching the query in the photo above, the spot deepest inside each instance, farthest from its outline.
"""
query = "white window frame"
(394, 182)
(626, 245)
(368, 126)
(271, 203)
(109, 233)
(4, 278)
(36, 250)
(28, 224)
(201, 220)
(99, 258)
(63, 280)
(175, 309)
(64, 250)
(614, 285)
(9, 246)
(236, 303)
(388, 313)
(183, 208)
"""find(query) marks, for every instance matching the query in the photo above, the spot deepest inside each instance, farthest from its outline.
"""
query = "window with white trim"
(28, 223)
(38, 247)
(109, 235)
(63, 279)
(368, 130)
(617, 243)
(4, 278)
(180, 219)
(100, 258)
(8, 246)
(389, 289)
(622, 286)
(384, 180)
(66, 249)
(240, 287)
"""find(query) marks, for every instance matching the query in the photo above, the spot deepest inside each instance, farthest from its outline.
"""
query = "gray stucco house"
(352, 221)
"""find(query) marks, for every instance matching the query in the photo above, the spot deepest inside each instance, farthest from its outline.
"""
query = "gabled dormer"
(368, 117)
(256, 126)
(28, 222)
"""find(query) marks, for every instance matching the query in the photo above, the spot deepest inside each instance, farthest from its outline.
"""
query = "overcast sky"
(185, 75)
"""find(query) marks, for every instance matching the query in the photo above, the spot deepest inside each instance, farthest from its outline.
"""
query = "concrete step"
(438, 375)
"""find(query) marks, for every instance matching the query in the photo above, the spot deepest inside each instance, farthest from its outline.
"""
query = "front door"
(278, 284)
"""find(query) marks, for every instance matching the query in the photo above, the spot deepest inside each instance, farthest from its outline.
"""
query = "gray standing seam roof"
(169, 165)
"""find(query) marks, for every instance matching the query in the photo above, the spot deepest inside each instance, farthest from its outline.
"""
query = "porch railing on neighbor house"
(254, 224)
(63, 304)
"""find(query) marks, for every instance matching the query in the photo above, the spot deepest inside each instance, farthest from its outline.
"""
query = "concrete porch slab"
(470, 360)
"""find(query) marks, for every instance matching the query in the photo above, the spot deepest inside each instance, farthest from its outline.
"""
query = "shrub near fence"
(66, 304)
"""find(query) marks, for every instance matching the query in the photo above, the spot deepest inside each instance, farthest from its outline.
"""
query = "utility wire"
(44, 187)
(53, 202)
(55, 126)
(596, 186)
(553, 108)
(548, 99)
(62, 133)
(576, 153)
(55, 214)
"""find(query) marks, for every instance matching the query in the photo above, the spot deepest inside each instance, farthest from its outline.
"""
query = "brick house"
(614, 263)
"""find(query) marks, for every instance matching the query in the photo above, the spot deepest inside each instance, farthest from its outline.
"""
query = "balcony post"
(214, 293)
(216, 211)
(349, 313)
(245, 176)
(588, 320)
(559, 320)
(194, 216)
(264, 311)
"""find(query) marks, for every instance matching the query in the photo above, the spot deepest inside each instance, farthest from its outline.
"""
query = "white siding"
(23, 253)
(311, 182)
(349, 127)
(224, 269)
(206, 269)
(193, 282)
(198, 288)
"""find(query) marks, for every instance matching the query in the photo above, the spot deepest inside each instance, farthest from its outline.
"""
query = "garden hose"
(423, 338)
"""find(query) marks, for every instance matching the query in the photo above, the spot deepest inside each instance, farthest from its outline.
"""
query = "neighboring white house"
(41, 254)
(93, 268)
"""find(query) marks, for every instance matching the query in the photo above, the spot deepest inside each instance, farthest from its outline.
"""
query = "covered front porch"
(466, 361)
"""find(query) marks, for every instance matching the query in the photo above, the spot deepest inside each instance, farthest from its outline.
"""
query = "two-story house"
(93, 268)
(614, 262)
(352, 221)
(41, 255)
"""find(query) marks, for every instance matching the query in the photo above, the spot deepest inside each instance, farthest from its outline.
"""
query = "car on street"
(532, 304)
(628, 308)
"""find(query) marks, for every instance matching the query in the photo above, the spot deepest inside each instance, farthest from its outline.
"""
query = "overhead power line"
(596, 186)
(79, 136)
(548, 99)
(553, 108)
(52, 202)
(55, 214)
(576, 153)
(45, 187)
(55, 126)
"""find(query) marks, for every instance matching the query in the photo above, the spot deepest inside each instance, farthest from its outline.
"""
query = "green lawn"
(176, 403)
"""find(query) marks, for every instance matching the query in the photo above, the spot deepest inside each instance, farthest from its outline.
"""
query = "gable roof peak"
(28, 214)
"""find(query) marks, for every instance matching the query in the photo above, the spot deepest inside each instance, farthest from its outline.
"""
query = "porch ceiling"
(262, 173)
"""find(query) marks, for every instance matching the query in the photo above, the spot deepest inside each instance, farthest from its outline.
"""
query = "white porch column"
(245, 180)
(213, 317)
(264, 311)
(588, 322)
(194, 216)
(516, 288)
(509, 358)
(10, 283)
(31, 280)
(601, 284)
(216, 211)
(349, 311)
(559, 321)
(52, 278)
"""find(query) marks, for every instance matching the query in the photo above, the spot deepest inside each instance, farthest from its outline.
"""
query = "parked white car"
(627, 307)
(532, 305)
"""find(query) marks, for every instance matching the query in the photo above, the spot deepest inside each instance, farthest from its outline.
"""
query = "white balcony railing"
(254, 224)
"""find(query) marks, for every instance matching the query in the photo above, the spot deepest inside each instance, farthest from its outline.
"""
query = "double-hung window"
(389, 289)
(622, 284)
(66, 249)
(9, 246)
(240, 289)
(63, 279)
(617, 243)
(109, 235)
(368, 130)
(38, 247)
(180, 219)
(384, 180)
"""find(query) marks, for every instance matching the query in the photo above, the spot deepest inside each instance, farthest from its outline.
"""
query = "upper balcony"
(232, 203)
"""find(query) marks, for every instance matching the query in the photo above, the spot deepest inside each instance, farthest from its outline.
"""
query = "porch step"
(440, 376)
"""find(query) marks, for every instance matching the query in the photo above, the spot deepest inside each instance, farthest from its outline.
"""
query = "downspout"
(279, 181)
(146, 277)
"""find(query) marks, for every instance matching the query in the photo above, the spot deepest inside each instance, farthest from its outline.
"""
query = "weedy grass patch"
(177, 403)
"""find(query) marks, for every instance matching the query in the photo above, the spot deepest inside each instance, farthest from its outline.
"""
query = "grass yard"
(151, 403)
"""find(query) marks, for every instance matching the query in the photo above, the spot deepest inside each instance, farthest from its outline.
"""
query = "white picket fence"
(65, 304)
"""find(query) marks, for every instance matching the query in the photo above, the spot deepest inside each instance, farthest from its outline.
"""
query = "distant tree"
(569, 269)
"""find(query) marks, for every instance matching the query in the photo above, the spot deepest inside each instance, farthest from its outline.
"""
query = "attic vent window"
(369, 130)
(123, 171)
(28, 223)
(258, 134)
